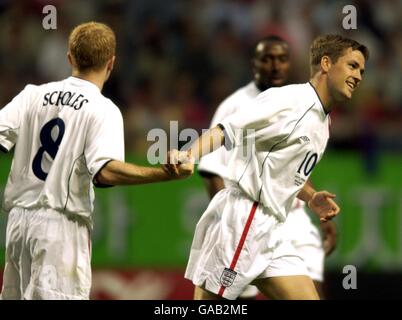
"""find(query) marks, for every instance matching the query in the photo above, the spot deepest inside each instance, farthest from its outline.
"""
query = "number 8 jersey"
(277, 141)
(64, 133)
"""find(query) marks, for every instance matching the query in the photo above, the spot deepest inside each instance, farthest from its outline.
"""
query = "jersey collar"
(318, 99)
(82, 82)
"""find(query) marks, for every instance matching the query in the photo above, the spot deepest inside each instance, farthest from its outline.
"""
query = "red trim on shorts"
(241, 242)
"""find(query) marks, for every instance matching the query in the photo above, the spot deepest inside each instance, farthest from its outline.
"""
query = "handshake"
(180, 164)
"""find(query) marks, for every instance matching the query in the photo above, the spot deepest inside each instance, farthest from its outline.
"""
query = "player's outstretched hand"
(186, 164)
(323, 206)
(172, 161)
(329, 236)
(180, 164)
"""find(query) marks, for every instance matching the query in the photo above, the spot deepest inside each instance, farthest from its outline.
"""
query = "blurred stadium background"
(177, 60)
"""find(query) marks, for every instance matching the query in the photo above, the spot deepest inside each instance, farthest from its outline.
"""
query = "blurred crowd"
(178, 59)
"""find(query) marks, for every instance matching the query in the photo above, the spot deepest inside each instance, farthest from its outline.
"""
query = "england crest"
(227, 277)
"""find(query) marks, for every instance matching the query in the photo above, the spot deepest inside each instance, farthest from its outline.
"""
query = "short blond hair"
(91, 45)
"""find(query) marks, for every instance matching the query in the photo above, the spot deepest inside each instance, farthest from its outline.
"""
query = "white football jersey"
(64, 133)
(277, 139)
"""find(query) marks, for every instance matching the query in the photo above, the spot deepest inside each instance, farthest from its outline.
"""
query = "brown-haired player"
(239, 239)
(271, 64)
(68, 137)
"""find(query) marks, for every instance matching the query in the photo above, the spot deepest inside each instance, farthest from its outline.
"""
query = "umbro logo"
(305, 138)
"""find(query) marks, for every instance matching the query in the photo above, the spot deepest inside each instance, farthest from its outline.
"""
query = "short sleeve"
(260, 121)
(105, 139)
(10, 119)
(214, 162)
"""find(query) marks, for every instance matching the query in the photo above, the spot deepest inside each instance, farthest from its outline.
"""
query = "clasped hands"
(179, 164)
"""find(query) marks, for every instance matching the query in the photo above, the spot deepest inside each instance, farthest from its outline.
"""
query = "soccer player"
(271, 66)
(238, 240)
(67, 137)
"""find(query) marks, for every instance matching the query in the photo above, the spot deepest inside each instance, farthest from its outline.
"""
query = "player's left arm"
(329, 231)
(10, 119)
(320, 202)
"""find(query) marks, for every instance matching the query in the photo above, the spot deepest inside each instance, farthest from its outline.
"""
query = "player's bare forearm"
(208, 142)
(306, 193)
(122, 173)
(309, 183)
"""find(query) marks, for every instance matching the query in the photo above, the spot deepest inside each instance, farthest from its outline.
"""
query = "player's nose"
(358, 77)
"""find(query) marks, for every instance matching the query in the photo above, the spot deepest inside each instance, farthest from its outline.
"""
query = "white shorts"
(306, 239)
(47, 256)
(237, 241)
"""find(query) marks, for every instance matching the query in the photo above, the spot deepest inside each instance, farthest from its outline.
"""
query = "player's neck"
(261, 87)
(319, 83)
(97, 78)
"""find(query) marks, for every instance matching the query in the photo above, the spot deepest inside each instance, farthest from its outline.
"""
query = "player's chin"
(277, 82)
(344, 95)
(348, 92)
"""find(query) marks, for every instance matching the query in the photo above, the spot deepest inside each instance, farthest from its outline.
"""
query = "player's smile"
(352, 85)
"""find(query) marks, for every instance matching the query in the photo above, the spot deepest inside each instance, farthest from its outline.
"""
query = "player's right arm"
(212, 166)
(208, 142)
(104, 154)
(240, 126)
(205, 144)
(237, 127)
(123, 173)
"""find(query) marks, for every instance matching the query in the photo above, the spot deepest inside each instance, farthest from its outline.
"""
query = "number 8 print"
(48, 145)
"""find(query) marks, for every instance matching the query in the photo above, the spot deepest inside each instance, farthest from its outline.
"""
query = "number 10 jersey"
(277, 140)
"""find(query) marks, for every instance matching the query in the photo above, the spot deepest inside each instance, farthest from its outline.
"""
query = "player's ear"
(110, 63)
(325, 63)
(70, 58)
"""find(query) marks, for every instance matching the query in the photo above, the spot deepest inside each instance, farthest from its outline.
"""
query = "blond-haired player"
(68, 137)
(239, 239)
